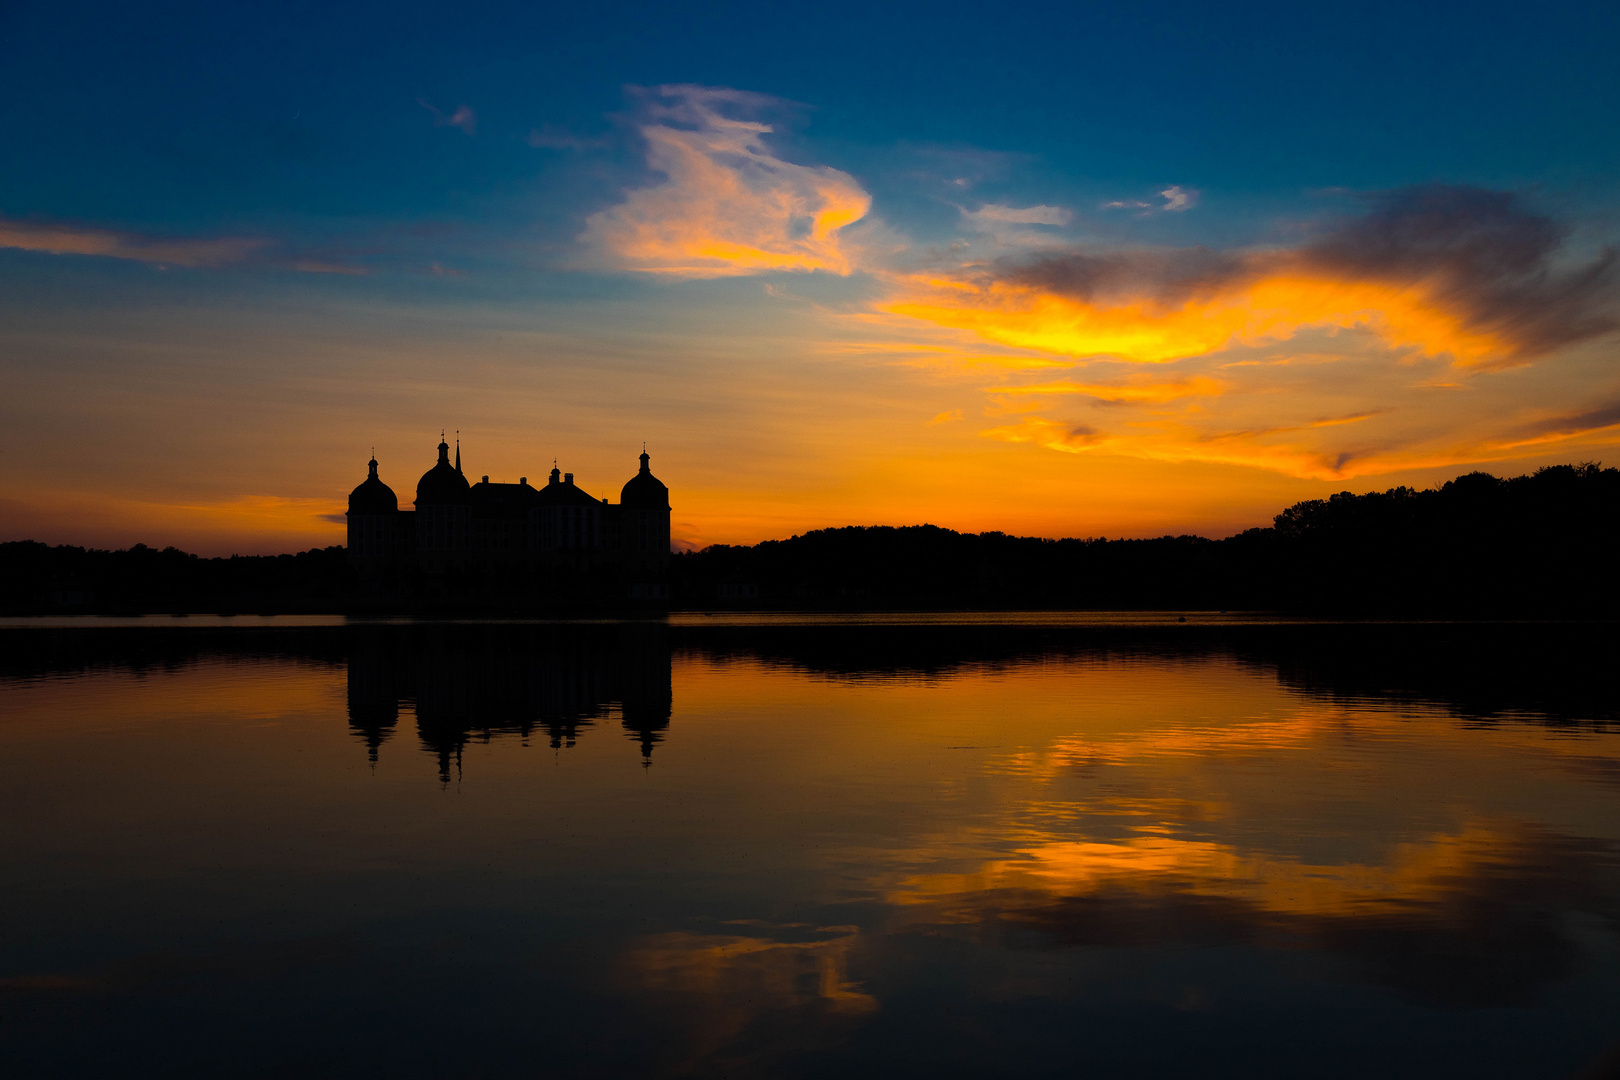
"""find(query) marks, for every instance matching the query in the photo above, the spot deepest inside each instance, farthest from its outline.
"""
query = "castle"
(510, 540)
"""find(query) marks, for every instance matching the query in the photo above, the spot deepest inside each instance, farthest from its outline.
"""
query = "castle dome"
(644, 490)
(373, 496)
(443, 483)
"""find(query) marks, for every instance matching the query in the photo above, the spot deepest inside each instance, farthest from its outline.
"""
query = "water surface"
(800, 850)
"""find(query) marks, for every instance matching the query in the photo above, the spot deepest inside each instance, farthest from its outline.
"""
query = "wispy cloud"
(62, 239)
(994, 215)
(1558, 427)
(1177, 198)
(463, 117)
(728, 204)
(552, 137)
(323, 266)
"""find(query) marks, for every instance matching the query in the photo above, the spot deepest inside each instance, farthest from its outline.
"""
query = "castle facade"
(510, 540)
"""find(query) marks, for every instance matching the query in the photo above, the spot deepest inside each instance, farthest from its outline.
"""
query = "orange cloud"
(729, 205)
(75, 240)
(1144, 330)
(1461, 277)
(1279, 449)
(1296, 361)
(1458, 272)
(1136, 391)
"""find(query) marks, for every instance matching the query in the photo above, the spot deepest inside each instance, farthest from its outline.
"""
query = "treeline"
(1478, 546)
(35, 577)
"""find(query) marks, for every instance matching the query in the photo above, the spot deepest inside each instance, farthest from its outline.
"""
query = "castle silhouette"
(510, 540)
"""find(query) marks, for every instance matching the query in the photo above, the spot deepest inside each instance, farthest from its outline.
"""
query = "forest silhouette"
(1479, 546)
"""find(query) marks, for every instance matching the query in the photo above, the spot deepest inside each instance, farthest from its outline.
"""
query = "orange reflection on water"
(1418, 873)
(831, 822)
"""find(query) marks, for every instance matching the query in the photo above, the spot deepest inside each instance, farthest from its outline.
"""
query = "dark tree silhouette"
(1476, 547)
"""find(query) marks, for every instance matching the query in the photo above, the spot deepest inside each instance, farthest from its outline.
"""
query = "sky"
(1058, 270)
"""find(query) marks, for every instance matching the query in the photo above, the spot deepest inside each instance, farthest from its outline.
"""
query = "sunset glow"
(816, 305)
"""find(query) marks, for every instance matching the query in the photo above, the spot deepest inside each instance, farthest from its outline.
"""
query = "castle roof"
(498, 497)
(644, 490)
(373, 496)
(442, 484)
(563, 492)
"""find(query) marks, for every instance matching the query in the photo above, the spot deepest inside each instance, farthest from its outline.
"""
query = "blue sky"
(201, 114)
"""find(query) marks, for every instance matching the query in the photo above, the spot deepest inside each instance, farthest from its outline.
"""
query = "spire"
(458, 452)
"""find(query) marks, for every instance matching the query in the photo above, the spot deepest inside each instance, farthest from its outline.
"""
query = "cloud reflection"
(1475, 918)
(712, 988)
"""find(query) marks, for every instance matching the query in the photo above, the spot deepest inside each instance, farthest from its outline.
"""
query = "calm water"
(809, 850)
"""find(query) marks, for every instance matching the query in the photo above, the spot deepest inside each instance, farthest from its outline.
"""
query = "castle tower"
(373, 533)
(645, 509)
(442, 513)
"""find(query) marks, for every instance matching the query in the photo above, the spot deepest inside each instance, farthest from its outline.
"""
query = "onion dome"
(373, 496)
(645, 490)
(443, 483)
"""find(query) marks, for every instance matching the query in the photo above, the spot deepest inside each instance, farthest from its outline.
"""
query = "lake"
(809, 846)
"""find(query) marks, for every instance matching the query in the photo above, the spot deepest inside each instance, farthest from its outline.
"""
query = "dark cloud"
(1169, 278)
(1489, 258)
(1594, 419)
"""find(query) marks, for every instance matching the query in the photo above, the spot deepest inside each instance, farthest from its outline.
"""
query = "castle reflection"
(471, 682)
